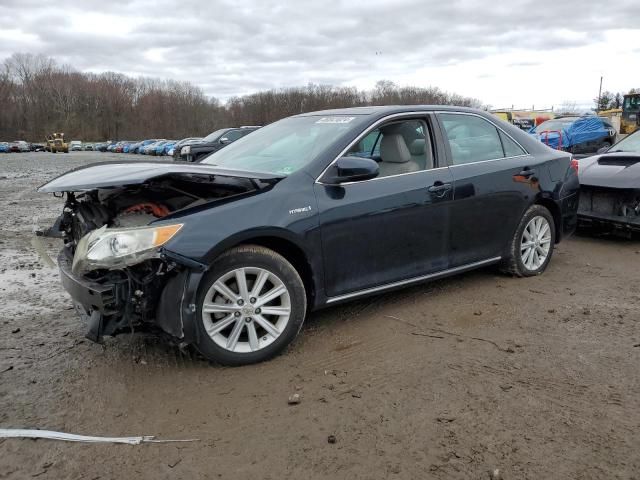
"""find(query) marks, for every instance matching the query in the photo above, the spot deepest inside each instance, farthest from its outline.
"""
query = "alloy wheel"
(246, 309)
(535, 243)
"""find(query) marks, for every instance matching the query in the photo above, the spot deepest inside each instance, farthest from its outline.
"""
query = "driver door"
(394, 227)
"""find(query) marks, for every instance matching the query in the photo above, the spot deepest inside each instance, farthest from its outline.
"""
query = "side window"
(472, 139)
(233, 135)
(511, 148)
(368, 147)
(399, 147)
(244, 132)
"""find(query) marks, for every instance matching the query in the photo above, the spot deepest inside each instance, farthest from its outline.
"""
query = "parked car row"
(78, 146)
(153, 146)
(19, 146)
(190, 149)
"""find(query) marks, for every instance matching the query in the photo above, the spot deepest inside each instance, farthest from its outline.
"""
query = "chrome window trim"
(368, 130)
(461, 268)
(424, 113)
(489, 160)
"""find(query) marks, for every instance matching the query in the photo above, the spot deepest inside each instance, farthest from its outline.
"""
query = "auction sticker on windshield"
(335, 119)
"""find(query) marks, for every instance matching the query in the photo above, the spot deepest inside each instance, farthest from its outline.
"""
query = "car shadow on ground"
(615, 236)
(144, 346)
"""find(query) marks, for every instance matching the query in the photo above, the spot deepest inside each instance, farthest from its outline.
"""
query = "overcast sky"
(508, 52)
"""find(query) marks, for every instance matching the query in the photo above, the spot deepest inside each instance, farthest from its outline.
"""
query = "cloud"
(230, 48)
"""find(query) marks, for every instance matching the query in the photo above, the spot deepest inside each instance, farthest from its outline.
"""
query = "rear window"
(511, 148)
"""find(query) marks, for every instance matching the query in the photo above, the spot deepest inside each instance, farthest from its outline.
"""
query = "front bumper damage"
(112, 304)
(610, 208)
(97, 304)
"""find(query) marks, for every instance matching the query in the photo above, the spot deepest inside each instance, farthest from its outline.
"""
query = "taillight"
(574, 165)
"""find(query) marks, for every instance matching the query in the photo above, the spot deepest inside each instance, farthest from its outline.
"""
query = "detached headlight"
(119, 247)
(186, 150)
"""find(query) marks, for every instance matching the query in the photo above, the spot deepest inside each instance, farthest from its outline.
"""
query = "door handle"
(439, 188)
(527, 173)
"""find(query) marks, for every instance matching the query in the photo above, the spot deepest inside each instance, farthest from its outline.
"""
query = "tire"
(522, 252)
(231, 328)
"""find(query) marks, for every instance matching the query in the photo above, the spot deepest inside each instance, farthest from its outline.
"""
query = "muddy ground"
(536, 377)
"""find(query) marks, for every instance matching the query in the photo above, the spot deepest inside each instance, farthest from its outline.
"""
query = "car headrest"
(418, 146)
(393, 149)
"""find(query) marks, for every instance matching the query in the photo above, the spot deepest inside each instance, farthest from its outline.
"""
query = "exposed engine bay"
(129, 293)
(139, 205)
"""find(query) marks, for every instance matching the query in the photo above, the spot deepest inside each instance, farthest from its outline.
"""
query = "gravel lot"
(535, 377)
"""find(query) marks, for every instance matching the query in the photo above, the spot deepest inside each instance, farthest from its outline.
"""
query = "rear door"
(394, 227)
(494, 182)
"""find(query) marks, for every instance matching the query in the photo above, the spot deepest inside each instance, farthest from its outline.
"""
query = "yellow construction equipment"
(56, 143)
(630, 121)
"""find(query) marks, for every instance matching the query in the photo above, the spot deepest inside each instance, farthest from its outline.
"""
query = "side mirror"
(351, 169)
(225, 140)
(602, 150)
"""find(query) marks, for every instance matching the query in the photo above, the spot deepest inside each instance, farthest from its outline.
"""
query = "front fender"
(176, 312)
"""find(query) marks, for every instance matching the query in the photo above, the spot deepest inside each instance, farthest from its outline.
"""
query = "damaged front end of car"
(115, 225)
(610, 208)
(610, 193)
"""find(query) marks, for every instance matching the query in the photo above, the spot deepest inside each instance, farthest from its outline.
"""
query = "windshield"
(628, 144)
(632, 103)
(559, 124)
(282, 147)
(212, 137)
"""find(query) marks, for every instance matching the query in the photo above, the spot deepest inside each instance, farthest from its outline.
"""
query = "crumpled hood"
(611, 170)
(120, 174)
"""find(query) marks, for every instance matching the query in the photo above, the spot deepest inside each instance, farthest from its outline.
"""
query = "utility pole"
(599, 95)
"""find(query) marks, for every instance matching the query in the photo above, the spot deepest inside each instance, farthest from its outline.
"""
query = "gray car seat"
(396, 156)
(420, 153)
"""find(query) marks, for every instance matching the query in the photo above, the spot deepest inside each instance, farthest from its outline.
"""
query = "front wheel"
(251, 305)
(531, 247)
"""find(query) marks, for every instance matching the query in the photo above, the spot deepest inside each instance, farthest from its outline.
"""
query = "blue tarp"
(584, 129)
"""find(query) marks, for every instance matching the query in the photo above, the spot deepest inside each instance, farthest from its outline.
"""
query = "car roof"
(391, 109)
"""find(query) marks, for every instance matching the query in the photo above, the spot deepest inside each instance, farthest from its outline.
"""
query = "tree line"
(609, 100)
(38, 96)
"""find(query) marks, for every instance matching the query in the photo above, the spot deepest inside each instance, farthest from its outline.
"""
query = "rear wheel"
(251, 305)
(531, 247)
